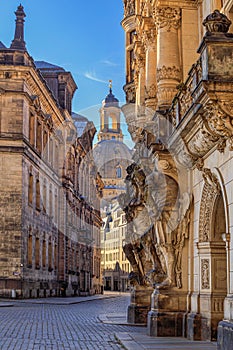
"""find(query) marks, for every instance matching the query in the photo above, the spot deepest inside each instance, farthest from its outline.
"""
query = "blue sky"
(84, 37)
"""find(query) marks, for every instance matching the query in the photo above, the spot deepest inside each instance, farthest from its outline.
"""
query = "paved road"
(91, 323)
(29, 326)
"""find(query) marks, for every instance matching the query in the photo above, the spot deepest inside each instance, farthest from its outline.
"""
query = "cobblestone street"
(28, 325)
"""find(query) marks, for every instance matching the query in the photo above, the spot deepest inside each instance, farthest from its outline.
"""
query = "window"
(29, 251)
(44, 197)
(37, 194)
(118, 172)
(55, 256)
(32, 130)
(37, 253)
(50, 256)
(30, 189)
(131, 36)
(56, 209)
(39, 137)
(44, 254)
(45, 144)
(50, 202)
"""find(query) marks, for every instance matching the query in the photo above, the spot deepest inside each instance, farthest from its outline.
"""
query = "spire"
(18, 43)
(110, 86)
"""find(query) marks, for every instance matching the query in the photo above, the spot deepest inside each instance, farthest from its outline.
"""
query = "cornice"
(184, 4)
(129, 23)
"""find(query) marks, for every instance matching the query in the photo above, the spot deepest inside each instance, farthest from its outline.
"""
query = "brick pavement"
(32, 326)
(90, 323)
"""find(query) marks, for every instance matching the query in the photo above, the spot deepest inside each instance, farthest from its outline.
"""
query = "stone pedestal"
(225, 335)
(167, 317)
(194, 326)
(139, 305)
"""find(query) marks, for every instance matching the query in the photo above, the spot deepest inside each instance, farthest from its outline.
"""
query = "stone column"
(168, 21)
(149, 38)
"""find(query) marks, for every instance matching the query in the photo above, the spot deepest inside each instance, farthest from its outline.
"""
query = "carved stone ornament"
(151, 91)
(169, 17)
(205, 273)
(149, 38)
(129, 8)
(217, 22)
(130, 94)
(201, 142)
(219, 120)
(210, 192)
(36, 103)
(165, 95)
(168, 73)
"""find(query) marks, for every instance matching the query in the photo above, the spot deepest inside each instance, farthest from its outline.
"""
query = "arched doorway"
(212, 256)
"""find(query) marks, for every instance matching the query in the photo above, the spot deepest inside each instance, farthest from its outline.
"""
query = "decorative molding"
(201, 142)
(205, 274)
(167, 17)
(210, 192)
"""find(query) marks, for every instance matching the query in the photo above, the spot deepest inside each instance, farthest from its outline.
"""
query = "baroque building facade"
(178, 200)
(50, 217)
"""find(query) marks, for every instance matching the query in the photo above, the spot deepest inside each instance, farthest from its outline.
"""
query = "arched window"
(118, 172)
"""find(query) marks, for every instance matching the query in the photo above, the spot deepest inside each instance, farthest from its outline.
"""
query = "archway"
(212, 255)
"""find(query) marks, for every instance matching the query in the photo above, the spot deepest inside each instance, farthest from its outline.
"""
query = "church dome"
(109, 154)
(110, 99)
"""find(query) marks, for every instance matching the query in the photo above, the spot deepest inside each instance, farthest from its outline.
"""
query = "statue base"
(168, 314)
(225, 335)
(139, 305)
(193, 326)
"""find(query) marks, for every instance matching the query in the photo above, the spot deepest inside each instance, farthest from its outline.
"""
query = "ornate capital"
(149, 37)
(167, 17)
(130, 93)
(168, 73)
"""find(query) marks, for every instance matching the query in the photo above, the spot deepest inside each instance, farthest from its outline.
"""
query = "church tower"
(111, 154)
(110, 112)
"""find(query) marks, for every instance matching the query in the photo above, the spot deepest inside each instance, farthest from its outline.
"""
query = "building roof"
(110, 99)
(2, 46)
(107, 151)
(48, 66)
(80, 123)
